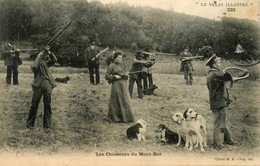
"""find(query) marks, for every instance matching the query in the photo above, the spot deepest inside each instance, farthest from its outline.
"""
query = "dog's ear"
(185, 113)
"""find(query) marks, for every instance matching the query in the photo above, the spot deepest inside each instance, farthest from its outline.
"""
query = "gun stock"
(101, 52)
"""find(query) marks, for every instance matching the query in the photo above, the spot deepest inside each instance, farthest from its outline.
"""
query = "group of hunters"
(119, 109)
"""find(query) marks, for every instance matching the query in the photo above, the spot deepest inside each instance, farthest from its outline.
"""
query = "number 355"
(231, 9)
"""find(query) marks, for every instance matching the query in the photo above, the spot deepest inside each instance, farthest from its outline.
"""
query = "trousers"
(12, 69)
(139, 86)
(91, 68)
(148, 80)
(44, 90)
(220, 126)
(187, 69)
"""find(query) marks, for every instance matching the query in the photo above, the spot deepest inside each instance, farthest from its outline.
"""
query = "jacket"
(41, 70)
(186, 62)
(91, 54)
(135, 68)
(11, 56)
(218, 93)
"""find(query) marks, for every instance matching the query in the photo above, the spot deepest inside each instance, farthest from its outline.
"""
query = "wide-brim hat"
(212, 59)
(228, 80)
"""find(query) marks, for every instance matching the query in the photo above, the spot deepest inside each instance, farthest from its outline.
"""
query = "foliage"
(120, 26)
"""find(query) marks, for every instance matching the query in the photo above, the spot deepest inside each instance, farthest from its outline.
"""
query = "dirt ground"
(80, 111)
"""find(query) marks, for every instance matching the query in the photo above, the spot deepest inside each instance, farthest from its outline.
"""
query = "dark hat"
(212, 59)
(228, 80)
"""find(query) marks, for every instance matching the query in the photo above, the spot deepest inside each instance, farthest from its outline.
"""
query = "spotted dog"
(191, 130)
(190, 114)
(137, 131)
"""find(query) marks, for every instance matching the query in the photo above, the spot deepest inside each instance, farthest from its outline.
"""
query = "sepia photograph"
(129, 82)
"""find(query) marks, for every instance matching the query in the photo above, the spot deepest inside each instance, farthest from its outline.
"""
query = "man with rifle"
(136, 77)
(186, 65)
(92, 62)
(12, 60)
(42, 86)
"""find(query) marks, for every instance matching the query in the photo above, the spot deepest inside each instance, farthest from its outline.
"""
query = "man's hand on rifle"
(93, 59)
(185, 59)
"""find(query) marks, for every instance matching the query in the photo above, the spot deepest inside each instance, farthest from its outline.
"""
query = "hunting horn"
(237, 68)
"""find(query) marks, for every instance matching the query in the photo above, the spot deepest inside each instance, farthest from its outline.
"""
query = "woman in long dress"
(120, 109)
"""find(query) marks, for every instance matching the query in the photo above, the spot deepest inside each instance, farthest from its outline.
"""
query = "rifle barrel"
(58, 34)
(24, 50)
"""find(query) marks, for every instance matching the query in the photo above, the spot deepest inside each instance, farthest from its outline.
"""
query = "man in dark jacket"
(219, 100)
(42, 86)
(93, 62)
(137, 77)
(12, 60)
(186, 66)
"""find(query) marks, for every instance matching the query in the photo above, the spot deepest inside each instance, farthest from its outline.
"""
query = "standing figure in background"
(119, 109)
(219, 100)
(186, 65)
(92, 62)
(149, 59)
(42, 86)
(136, 77)
(12, 60)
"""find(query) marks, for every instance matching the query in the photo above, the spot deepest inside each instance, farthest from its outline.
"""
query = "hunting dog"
(191, 130)
(190, 115)
(62, 80)
(137, 131)
(150, 90)
(168, 136)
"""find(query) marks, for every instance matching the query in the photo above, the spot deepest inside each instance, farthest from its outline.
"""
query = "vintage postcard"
(129, 82)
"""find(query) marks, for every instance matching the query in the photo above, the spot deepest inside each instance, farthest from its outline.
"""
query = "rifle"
(50, 41)
(159, 53)
(123, 77)
(191, 58)
(135, 72)
(24, 50)
(57, 34)
(99, 54)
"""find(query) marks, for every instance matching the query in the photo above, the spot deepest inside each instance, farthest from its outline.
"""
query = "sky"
(247, 9)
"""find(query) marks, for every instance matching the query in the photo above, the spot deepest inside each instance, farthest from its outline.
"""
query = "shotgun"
(191, 58)
(66, 26)
(97, 56)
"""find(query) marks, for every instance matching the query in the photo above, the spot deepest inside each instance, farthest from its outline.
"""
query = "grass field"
(79, 110)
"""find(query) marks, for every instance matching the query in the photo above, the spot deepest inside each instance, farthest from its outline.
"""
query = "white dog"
(191, 130)
(137, 130)
(190, 114)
